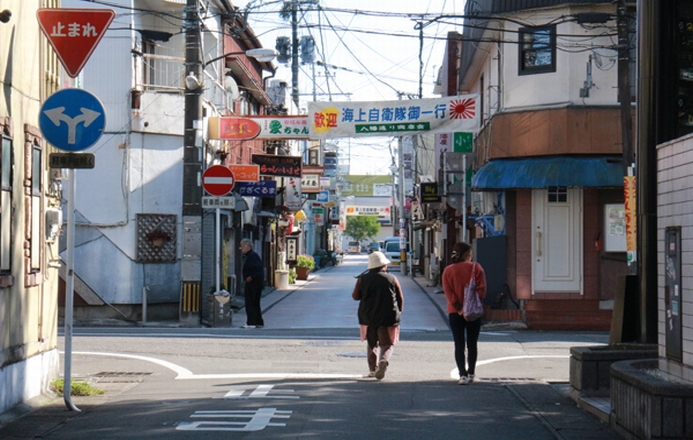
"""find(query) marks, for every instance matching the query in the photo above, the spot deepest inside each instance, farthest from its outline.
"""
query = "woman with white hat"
(379, 312)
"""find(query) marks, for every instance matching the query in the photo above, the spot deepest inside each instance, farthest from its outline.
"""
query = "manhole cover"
(119, 376)
(325, 343)
(353, 355)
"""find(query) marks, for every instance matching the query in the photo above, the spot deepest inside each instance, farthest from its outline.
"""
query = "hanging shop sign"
(429, 192)
(245, 173)
(292, 194)
(399, 118)
(310, 183)
(319, 216)
(287, 166)
(291, 249)
(233, 128)
(268, 127)
(263, 188)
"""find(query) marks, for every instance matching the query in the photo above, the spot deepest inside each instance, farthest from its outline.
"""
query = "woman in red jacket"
(455, 277)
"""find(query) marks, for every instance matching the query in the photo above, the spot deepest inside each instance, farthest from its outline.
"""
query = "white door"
(557, 240)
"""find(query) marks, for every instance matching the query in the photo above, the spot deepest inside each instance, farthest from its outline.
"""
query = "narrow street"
(302, 376)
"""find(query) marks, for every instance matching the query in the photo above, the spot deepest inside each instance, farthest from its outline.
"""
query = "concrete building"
(132, 240)
(548, 158)
(29, 209)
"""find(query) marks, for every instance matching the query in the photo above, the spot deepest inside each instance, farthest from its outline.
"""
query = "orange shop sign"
(237, 129)
(246, 173)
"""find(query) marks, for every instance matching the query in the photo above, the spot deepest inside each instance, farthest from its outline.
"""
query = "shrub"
(305, 261)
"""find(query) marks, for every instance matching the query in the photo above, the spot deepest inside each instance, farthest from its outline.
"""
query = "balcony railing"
(163, 72)
(166, 73)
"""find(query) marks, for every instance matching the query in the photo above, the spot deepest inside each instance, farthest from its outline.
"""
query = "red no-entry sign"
(74, 33)
(218, 180)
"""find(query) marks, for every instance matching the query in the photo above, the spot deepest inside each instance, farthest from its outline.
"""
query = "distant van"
(354, 247)
(392, 252)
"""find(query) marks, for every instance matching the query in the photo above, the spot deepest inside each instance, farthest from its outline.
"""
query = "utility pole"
(294, 52)
(192, 154)
(624, 97)
(402, 214)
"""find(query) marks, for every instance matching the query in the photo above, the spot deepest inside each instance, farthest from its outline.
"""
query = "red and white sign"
(74, 33)
(233, 128)
(218, 180)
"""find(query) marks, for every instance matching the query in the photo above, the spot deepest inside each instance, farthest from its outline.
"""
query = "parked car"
(392, 253)
(374, 247)
(354, 247)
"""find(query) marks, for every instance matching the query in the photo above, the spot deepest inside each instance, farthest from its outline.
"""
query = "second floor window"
(6, 232)
(537, 50)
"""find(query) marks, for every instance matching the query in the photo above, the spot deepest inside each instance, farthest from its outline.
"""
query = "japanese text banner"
(329, 120)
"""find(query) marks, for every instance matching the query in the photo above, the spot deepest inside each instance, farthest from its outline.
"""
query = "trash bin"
(220, 308)
(281, 279)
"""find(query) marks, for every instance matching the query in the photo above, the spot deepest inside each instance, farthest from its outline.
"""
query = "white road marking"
(261, 391)
(454, 373)
(183, 373)
(259, 420)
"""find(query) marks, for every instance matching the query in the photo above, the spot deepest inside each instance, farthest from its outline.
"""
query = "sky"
(372, 50)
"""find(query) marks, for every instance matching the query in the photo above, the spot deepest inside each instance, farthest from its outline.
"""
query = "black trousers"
(459, 327)
(253, 293)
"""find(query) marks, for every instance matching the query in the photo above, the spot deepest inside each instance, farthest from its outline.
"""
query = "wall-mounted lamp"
(191, 82)
(5, 15)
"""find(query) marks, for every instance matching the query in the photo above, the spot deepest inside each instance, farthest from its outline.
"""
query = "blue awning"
(542, 172)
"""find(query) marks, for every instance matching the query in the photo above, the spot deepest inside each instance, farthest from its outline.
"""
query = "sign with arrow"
(74, 33)
(72, 119)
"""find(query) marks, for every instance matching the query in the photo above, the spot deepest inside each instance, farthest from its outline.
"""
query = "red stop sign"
(218, 180)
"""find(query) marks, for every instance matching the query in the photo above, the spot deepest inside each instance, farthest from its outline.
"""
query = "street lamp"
(263, 55)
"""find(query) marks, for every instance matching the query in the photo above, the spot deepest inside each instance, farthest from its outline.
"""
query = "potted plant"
(304, 264)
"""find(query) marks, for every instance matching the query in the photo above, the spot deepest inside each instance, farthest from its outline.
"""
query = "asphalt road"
(302, 376)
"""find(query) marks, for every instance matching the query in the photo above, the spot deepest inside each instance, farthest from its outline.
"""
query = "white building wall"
(138, 165)
(675, 208)
(561, 87)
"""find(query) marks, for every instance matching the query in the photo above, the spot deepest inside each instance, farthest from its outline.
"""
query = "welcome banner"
(328, 120)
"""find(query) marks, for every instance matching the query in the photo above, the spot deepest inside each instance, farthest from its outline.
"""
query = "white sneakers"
(465, 380)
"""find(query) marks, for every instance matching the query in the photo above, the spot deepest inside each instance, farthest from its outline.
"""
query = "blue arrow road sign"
(72, 119)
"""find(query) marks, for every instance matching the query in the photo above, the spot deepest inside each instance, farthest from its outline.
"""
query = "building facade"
(134, 239)
(30, 219)
(548, 159)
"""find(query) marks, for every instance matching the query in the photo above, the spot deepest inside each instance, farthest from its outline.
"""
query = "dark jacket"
(253, 267)
(381, 299)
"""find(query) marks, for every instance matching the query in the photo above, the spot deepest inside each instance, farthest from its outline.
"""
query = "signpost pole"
(464, 198)
(217, 232)
(69, 289)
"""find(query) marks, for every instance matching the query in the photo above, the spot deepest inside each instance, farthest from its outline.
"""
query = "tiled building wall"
(675, 208)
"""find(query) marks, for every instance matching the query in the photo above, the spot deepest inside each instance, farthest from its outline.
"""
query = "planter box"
(646, 403)
(590, 367)
(302, 273)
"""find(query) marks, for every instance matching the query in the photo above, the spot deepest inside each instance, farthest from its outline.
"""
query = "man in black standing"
(254, 276)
